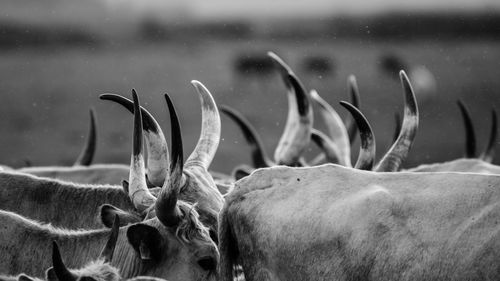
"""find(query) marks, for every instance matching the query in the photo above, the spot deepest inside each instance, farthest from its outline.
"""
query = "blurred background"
(57, 56)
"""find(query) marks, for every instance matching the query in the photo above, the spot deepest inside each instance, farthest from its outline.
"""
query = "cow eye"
(207, 263)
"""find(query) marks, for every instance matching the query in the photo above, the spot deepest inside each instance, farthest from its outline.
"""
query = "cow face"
(185, 252)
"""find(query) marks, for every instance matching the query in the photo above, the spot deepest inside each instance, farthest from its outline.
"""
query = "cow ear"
(24, 277)
(108, 213)
(50, 274)
(241, 171)
(146, 241)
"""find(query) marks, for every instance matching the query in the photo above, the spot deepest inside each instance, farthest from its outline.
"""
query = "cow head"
(195, 184)
(172, 242)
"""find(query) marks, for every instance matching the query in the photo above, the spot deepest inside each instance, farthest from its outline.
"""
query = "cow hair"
(47, 227)
(99, 270)
(20, 277)
(190, 227)
(38, 193)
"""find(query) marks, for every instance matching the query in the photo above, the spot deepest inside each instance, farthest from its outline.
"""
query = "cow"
(171, 241)
(96, 270)
(336, 223)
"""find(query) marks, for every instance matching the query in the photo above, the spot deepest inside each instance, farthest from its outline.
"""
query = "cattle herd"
(281, 218)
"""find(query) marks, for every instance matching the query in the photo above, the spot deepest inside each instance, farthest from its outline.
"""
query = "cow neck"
(86, 200)
(79, 249)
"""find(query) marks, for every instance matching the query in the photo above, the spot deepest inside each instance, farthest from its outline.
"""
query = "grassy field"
(46, 95)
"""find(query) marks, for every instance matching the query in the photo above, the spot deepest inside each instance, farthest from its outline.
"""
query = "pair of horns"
(158, 154)
(470, 137)
(87, 154)
(64, 274)
(367, 150)
(166, 203)
(298, 127)
(342, 133)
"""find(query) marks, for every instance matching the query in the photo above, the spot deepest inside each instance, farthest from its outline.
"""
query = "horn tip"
(104, 96)
(200, 88)
(272, 54)
(403, 75)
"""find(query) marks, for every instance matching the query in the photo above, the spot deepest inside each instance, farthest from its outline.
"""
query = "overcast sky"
(95, 12)
(287, 8)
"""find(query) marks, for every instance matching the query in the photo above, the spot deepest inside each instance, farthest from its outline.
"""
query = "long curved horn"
(109, 248)
(392, 160)
(397, 128)
(328, 147)
(297, 132)
(259, 155)
(470, 136)
(350, 124)
(366, 156)
(207, 145)
(336, 129)
(138, 191)
(166, 207)
(61, 271)
(489, 153)
(158, 156)
(88, 152)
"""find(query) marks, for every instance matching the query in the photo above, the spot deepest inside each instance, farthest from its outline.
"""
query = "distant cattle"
(318, 65)
(391, 64)
(423, 80)
(253, 64)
